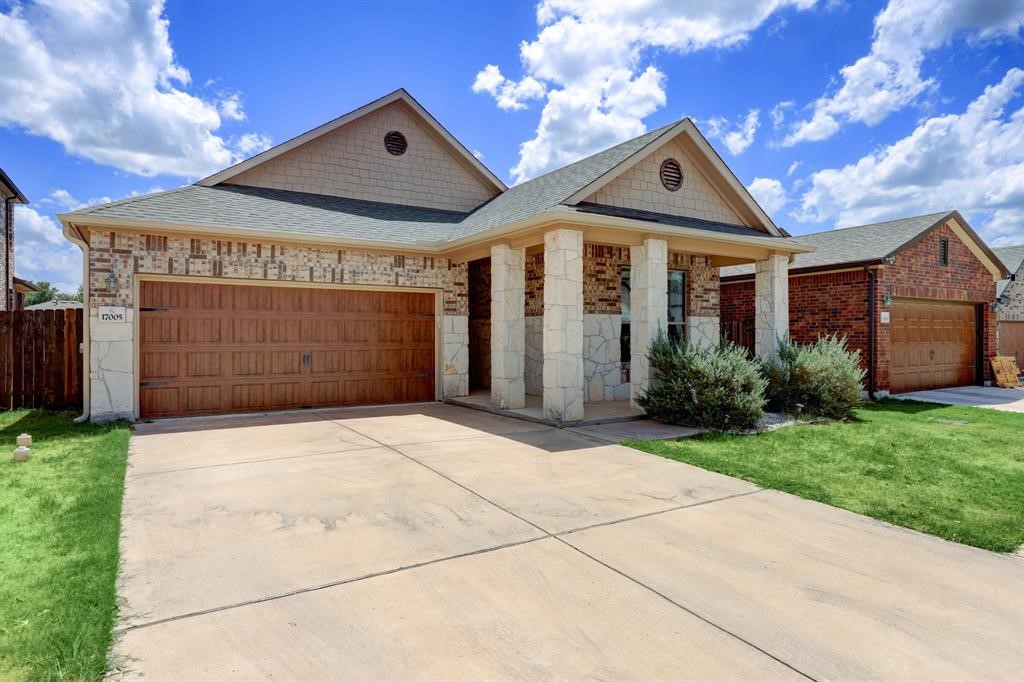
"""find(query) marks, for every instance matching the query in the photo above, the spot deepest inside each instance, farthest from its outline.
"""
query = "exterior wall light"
(887, 301)
(112, 281)
(890, 260)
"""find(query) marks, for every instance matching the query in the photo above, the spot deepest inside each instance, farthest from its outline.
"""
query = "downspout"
(871, 333)
(72, 235)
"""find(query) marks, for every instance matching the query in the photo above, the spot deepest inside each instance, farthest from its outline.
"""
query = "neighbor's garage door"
(210, 348)
(933, 344)
(1011, 341)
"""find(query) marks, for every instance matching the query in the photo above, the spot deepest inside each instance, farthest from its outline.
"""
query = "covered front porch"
(560, 323)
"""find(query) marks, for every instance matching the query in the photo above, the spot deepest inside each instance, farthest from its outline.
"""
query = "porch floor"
(603, 412)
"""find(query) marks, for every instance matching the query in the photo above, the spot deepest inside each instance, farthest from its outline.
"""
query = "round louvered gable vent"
(671, 175)
(395, 143)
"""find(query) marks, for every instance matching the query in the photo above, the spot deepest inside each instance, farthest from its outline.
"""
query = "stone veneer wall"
(1011, 307)
(605, 376)
(640, 188)
(352, 162)
(126, 254)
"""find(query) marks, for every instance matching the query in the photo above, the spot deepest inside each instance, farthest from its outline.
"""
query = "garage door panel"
(212, 348)
(933, 344)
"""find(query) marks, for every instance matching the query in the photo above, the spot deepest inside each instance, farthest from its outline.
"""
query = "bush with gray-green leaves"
(822, 379)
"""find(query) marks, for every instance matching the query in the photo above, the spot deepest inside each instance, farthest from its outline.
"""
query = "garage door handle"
(307, 358)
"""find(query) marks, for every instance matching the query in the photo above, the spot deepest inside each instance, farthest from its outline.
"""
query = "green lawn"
(59, 528)
(955, 472)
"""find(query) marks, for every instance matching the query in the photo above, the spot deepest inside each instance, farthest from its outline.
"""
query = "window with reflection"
(676, 313)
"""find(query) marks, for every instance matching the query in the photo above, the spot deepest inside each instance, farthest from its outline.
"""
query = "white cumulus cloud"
(101, 79)
(889, 77)
(769, 193)
(971, 161)
(736, 137)
(589, 64)
(42, 253)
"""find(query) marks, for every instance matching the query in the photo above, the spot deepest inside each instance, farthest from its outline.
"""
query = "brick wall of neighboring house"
(640, 188)
(837, 302)
(126, 253)
(6, 254)
(353, 162)
(917, 274)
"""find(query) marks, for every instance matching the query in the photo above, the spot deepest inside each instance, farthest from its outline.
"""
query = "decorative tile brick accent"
(535, 284)
(352, 162)
(602, 278)
(640, 188)
(127, 253)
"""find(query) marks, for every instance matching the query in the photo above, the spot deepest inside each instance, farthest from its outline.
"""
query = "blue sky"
(833, 113)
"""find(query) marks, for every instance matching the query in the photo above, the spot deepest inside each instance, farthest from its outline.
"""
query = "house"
(20, 288)
(56, 305)
(375, 260)
(9, 196)
(1010, 303)
(914, 296)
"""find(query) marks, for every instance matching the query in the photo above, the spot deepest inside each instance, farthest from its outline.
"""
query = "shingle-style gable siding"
(640, 188)
(352, 162)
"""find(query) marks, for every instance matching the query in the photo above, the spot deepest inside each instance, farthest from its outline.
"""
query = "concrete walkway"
(435, 542)
(1005, 399)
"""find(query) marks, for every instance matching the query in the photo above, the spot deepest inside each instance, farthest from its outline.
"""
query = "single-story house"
(1010, 303)
(9, 196)
(374, 259)
(914, 296)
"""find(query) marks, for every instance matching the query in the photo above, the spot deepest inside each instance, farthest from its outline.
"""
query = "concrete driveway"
(992, 397)
(435, 542)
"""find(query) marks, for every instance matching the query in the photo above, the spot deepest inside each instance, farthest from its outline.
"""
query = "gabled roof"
(396, 96)
(1013, 259)
(867, 244)
(213, 205)
(7, 184)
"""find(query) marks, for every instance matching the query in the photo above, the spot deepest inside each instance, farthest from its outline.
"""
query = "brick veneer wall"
(640, 188)
(602, 272)
(126, 253)
(352, 162)
(837, 302)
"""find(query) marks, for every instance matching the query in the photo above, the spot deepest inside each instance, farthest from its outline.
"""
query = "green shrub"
(824, 377)
(716, 388)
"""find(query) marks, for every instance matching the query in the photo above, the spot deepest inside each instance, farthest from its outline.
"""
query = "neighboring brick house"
(374, 259)
(1010, 303)
(929, 322)
(9, 196)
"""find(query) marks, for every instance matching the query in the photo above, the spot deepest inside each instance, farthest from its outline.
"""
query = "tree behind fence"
(41, 364)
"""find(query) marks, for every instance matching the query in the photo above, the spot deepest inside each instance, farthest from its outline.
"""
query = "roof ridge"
(881, 222)
(588, 157)
(127, 200)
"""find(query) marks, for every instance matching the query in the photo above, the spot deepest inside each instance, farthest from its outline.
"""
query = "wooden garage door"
(1011, 341)
(933, 345)
(210, 348)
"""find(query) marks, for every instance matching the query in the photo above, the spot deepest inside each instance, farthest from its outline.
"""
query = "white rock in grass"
(21, 453)
(25, 439)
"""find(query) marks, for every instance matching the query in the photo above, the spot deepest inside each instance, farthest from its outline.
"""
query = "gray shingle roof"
(853, 244)
(299, 214)
(290, 213)
(1013, 259)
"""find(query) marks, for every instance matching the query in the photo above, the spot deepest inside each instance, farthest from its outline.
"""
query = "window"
(675, 315)
(943, 252)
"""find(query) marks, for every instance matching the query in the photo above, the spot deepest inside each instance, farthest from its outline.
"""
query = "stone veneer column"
(648, 307)
(771, 304)
(563, 325)
(111, 369)
(508, 327)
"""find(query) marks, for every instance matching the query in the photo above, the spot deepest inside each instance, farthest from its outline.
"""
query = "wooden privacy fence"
(41, 364)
